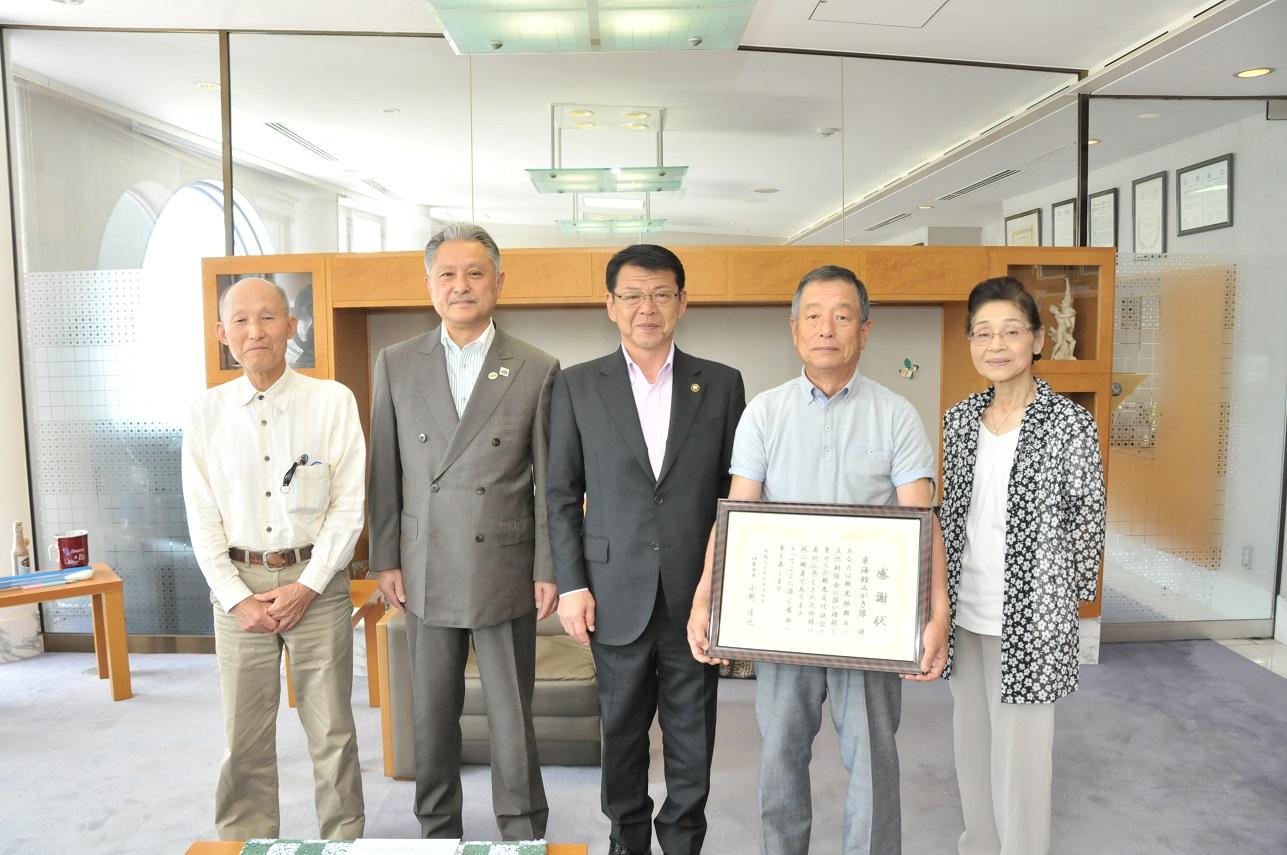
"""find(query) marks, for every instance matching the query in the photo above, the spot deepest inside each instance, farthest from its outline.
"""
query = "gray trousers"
(506, 656)
(1003, 756)
(321, 658)
(865, 709)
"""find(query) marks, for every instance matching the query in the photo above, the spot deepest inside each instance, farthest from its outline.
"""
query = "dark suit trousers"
(506, 656)
(656, 673)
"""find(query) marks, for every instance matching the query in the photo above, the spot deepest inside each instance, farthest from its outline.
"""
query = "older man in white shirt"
(273, 469)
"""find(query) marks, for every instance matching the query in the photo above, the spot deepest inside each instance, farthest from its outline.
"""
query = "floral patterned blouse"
(1054, 535)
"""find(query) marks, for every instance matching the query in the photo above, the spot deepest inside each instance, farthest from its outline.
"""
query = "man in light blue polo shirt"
(832, 435)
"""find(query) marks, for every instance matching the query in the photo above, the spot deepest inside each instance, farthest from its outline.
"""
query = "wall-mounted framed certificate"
(811, 584)
(1023, 229)
(1204, 195)
(1148, 210)
(1063, 223)
(1103, 217)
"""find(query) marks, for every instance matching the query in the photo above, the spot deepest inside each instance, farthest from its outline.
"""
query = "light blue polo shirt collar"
(812, 393)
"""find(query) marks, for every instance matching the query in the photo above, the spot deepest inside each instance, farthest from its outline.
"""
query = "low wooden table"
(369, 609)
(233, 847)
(107, 601)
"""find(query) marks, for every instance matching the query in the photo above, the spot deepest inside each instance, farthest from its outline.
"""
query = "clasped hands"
(275, 611)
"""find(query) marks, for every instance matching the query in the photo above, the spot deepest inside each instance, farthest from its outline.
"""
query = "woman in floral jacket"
(1023, 523)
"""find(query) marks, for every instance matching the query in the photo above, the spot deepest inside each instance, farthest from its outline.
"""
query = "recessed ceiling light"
(70, 2)
(635, 126)
(207, 85)
(390, 110)
(1092, 141)
(580, 114)
(583, 125)
(634, 116)
(1254, 72)
(926, 207)
(1150, 115)
(826, 132)
(765, 190)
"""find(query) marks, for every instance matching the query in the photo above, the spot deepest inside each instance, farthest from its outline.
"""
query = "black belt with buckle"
(273, 559)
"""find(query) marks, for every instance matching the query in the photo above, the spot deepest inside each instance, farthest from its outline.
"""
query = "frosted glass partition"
(1195, 463)
(119, 198)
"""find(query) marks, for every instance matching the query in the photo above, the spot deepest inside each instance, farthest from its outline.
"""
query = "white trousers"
(1003, 756)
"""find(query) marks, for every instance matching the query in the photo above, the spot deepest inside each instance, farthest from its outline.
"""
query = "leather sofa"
(565, 701)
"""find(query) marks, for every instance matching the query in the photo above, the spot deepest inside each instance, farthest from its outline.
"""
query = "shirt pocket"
(868, 469)
(310, 489)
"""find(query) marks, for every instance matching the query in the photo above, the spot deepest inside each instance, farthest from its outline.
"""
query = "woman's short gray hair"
(833, 273)
(462, 231)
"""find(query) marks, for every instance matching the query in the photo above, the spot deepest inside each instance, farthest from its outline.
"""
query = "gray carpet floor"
(1177, 747)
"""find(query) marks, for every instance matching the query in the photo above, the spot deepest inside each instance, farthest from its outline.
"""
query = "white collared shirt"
(464, 364)
(652, 402)
(237, 447)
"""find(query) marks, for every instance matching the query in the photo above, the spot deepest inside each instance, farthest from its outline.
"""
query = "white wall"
(756, 341)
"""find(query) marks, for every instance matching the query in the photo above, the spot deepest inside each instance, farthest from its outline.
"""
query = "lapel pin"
(504, 372)
(492, 376)
(696, 387)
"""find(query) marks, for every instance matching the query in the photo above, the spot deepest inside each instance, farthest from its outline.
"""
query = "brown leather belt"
(273, 559)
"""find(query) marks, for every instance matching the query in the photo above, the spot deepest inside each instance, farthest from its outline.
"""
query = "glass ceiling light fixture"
(604, 179)
(581, 26)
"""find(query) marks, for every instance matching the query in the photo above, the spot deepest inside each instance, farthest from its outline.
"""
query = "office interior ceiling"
(741, 121)
(1257, 40)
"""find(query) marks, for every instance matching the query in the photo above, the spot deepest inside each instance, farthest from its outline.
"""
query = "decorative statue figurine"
(1061, 335)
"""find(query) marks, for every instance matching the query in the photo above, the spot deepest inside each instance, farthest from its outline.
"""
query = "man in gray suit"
(456, 496)
(645, 435)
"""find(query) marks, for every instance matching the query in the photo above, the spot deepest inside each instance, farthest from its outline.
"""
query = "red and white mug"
(70, 549)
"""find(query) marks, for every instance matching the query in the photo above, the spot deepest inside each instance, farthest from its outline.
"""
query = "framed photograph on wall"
(1148, 214)
(1103, 218)
(1204, 195)
(817, 584)
(1023, 229)
(1063, 223)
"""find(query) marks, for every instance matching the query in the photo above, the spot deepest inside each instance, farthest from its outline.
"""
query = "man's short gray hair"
(462, 231)
(223, 298)
(832, 273)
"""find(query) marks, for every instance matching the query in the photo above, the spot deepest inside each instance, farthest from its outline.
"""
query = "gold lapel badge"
(504, 372)
(696, 387)
(492, 376)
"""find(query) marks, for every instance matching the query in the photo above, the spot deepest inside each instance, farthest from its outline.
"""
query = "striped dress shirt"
(464, 363)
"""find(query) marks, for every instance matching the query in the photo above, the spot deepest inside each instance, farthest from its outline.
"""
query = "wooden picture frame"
(820, 584)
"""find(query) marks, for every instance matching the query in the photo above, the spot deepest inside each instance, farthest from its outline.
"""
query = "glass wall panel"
(349, 143)
(116, 140)
(1196, 459)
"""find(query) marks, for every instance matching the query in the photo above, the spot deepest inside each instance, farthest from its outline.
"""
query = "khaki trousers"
(1003, 756)
(321, 653)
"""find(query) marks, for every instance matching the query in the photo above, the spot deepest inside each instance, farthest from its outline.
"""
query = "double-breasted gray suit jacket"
(459, 503)
(637, 531)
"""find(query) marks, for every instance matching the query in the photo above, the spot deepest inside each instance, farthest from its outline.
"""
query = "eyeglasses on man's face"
(1009, 335)
(635, 299)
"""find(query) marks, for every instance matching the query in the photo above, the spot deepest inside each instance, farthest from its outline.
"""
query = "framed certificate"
(1204, 195)
(1103, 218)
(1063, 223)
(831, 585)
(1023, 229)
(1148, 211)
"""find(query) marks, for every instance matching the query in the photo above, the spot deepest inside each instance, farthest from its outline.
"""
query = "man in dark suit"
(644, 435)
(456, 496)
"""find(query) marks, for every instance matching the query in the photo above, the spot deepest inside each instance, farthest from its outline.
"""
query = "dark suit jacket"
(637, 531)
(459, 503)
